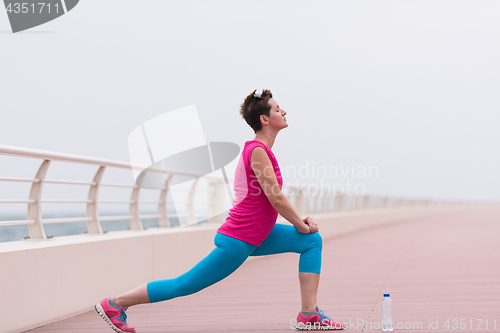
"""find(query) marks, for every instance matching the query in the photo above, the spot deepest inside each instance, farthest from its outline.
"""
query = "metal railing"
(34, 219)
(304, 202)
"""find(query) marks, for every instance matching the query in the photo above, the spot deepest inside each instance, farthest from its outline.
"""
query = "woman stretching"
(250, 229)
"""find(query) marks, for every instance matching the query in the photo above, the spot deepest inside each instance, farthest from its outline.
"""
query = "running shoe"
(317, 321)
(115, 317)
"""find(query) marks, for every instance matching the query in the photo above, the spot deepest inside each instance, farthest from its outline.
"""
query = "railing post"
(331, 202)
(317, 203)
(135, 221)
(324, 203)
(216, 199)
(339, 202)
(163, 220)
(313, 201)
(94, 225)
(35, 209)
(366, 202)
(190, 218)
(356, 201)
(348, 202)
(300, 201)
(351, 202)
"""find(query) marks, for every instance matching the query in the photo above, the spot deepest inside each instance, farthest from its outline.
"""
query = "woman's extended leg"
(228, 255)
(136, 296)
(286, 238)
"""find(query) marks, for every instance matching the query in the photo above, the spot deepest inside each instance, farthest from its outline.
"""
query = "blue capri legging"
(230, 253)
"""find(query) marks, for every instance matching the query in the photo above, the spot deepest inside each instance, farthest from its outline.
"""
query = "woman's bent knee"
(317, 239)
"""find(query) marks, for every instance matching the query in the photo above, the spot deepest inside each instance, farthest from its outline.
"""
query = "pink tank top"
(252, 217)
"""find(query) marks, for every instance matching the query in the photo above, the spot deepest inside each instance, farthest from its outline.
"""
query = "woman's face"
(277, 117)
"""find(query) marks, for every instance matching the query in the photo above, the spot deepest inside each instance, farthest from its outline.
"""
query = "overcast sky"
(411, 88)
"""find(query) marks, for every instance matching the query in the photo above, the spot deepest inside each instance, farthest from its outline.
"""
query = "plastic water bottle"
(387, 314)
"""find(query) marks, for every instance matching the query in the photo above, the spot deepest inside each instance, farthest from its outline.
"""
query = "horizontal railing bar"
(151, 202)
(67, 219)
(116, 201)
(66, 201)
(17, 222)
(112, 218)
(186, 214)
(118, 185)
(11, 201)
(12, 179)
(151, 216)
(194, 202)
(69, 182)
(48, 155)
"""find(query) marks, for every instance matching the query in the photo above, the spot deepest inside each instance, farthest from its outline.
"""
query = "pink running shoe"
(115, 317)
(318, 321)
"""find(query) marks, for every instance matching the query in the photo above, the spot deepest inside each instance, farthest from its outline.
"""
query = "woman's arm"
(264, 171)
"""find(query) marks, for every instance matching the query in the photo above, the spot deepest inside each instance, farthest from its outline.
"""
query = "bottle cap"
(387, 295)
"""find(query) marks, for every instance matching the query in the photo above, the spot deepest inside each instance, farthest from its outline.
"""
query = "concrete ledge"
(87, 268)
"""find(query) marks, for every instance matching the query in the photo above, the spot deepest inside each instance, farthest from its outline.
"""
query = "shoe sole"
(318, 328)
(100, 312)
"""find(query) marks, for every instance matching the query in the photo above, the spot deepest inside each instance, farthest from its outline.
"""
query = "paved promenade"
(440, 270)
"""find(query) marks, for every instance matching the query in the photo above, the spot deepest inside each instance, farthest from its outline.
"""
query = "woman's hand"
(303, 229)
(313, 226)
